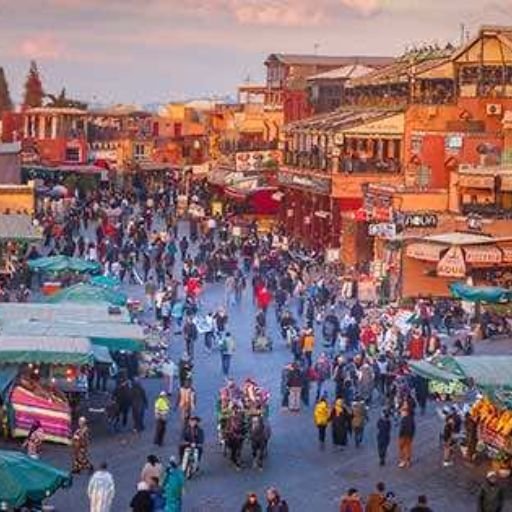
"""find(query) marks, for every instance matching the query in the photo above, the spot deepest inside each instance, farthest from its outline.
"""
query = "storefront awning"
(426, 252)
(483, 255)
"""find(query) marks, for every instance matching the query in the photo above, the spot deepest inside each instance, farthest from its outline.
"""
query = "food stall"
(83, 293)
(490, 377)
(49, 370)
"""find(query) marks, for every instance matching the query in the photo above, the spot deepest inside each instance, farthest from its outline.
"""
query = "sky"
(153, 51)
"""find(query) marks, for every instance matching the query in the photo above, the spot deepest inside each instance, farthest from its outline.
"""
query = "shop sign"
(507, 254)
(383, 230)
(426, 252)
(420, 220)
(483, 255)
(319, 185)
(452, 264)
(483, 182)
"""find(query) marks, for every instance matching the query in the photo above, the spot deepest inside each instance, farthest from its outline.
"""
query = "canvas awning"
(424, 251)
(19, 349)
(101, 354)
(63, 263)
(82, 293)
(491, 294)
(114, 336)
(483, 254)
(64, 312)
(486, 372)
(7, 376)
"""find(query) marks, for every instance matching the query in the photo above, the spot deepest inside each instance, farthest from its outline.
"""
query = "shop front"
(431, 264)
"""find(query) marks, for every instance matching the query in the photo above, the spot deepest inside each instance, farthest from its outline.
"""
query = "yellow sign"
(216, 208)
(452, 264)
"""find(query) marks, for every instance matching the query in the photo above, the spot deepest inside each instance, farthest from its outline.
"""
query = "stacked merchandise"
(30, 402)
(494, 424)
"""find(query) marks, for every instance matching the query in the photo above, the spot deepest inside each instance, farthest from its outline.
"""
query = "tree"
(5, 98)
(62, 101)
(33, 88)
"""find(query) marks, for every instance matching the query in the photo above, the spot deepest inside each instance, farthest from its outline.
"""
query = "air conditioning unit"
(494, 109)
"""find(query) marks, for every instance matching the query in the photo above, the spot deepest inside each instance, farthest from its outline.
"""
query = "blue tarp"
(490, 294)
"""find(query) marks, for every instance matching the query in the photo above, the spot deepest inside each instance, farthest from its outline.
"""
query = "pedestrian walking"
(308, 345)
(139, 403)
(383, 436)
(274, 501)
(321, 416)
(351, 502)
(141, 501)
(421, 505)
(294, 384)
(405, 437)
(491, 497)
(251, 504)
(227, 349)
(122, 396)
(162, 410)
(80, 446)
(190, 334)
(341, 423)
(376, 499)
(101, 490)
(169, 371)
(359, 417)
(34, 440)
(173, 486)
(152, 469)
(187, 401)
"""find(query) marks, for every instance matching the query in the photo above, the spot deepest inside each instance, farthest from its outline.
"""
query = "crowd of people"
(352, 357)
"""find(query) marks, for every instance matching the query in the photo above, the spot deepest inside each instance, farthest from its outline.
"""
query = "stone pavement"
(308, 478)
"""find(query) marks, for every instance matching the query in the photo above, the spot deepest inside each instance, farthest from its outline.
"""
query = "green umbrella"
(88, 294)
(63, 263)
(23, 478)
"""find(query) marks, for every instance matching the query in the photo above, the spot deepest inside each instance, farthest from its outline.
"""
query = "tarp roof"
(88, 294)
(63, 263)
(486, 371)
(64, 312)
(80, 329)
(490, 294)
(18, 227)
(101, 354)
(18, 349)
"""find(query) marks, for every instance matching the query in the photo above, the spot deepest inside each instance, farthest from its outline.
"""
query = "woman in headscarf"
(34, 440)
(173, 486)
(340, 423)
(80, 443)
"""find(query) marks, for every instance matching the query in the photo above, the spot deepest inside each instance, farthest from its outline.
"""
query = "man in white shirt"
(101, 490)
(168, 375)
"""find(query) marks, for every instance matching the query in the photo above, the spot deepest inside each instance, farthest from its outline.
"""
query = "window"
(72, 154)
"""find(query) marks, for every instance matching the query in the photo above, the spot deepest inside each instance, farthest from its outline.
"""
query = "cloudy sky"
(155, 50)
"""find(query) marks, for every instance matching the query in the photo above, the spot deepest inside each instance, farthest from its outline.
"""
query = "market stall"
(47, 368)
(83, 293)
(490, 377)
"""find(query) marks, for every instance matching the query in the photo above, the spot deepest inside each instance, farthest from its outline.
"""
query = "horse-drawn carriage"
(242, 414)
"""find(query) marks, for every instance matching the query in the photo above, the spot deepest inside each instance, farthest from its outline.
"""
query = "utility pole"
(462, 34)
(316, 46)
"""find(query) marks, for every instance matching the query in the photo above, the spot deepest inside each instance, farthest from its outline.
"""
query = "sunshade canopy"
(101, 354)
(65, 312)
(63, 263)
(88, 294)
(23, 478)
(17, 349)
(7, 376)
(490, 294)
(105, 281)
(489, 372)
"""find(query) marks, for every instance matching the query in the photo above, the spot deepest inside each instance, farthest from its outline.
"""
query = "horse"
(259, 435)
(234, 438)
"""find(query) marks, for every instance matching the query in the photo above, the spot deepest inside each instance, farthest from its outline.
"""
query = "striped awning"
(425, 252)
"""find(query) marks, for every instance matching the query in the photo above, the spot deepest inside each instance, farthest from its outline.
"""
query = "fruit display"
(492, 417)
